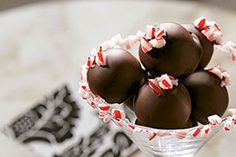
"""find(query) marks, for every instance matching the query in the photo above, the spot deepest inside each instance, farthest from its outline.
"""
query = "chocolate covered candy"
(114, 75)
(163, 103)
(208, 93)
(159, 101)
(169, 48)
(205, 45)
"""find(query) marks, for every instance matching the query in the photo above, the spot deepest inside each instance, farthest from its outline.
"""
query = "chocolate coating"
(205, 44)
(207, 96)
(179, 57)
(169, 111)
(116, 81)
(190, 123)
(130, 101)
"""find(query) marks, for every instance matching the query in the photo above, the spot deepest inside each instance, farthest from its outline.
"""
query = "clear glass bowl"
(169, 145)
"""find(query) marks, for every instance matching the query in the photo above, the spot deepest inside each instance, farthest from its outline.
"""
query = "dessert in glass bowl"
(178, 102)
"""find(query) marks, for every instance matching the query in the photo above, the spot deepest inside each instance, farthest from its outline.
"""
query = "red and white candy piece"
(181, 134)
(232, 113)
(90, 62)
(151, 134)
(222, 74)
(150, 31)
(105, 116)
(154, 85)
(200, 23)
(117, 114)
(157, 43)
(145, 45)
(213, 33)
(164, 82)
(234, 119)
(210, 29)
(84, 91)
(154, 38)
(131, 126)
(214, 120)
(196, 132)
(101, 114)
(100, 57)
(206, 130)
(228, 124)
(92, 104)
(104, 107)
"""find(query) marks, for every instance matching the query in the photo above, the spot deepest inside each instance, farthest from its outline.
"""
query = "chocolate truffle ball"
(207, 95)
(118, 79)
(207, 46)
(179, 57)
(170, 110)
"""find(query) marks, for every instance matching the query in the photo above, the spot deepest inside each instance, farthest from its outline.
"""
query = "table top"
(44, 45)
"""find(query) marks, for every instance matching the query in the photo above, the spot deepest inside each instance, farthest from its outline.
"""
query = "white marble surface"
(44, 45)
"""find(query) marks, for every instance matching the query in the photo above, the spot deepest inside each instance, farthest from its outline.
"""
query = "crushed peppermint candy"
(90, 62)
(117, 114)
(228, 124)
(105, 116)
(151, 135)
(84, 91)
(213, 33)
(153, 38)
(234, 119)
(210, 29)
(104, 107)
(196, 132)
(222, 74)
(206, 129)
(101, 57)
(214, 120)
(165, 82)
(181, 134)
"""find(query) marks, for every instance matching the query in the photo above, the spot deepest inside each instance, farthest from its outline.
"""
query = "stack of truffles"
(172, 89)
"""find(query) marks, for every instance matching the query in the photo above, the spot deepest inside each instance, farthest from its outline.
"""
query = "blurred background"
(43, 44)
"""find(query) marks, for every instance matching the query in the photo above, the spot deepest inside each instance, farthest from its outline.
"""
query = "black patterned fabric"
(61, 126)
